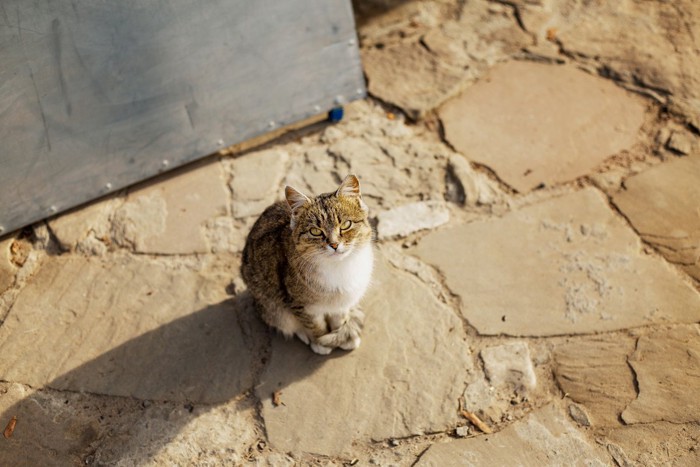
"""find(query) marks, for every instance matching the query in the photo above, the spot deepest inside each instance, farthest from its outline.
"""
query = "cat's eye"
(315, 232)
(346, 225)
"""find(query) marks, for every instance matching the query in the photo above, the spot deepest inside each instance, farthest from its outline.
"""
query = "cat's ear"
(295, 198)
(350, 187)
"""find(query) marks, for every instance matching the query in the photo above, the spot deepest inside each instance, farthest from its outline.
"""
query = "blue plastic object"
(335, 115)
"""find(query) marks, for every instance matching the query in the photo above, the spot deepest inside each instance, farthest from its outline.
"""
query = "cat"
(307, 262)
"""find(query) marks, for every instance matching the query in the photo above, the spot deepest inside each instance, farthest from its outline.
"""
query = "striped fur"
(308, 262)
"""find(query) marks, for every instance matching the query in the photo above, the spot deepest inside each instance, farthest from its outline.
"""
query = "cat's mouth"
(340, 252)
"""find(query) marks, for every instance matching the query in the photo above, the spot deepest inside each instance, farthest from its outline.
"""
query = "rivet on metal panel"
(351, 42)
(165, 163)
(53, 209)
(317, 108)
(359, 91)
(340, 100)
(2, 229)
(271, 124)
(220, 142)
(108, 186)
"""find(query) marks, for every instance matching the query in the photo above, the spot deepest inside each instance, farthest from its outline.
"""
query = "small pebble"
(679, 143)
(579, 415)
(462, 431)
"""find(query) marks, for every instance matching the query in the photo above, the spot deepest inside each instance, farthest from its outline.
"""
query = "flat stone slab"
(509, 364)
(88, 228)
(410, 77)
(567, 265)
(70, 428)
(256, 181)
(170, 217)
(405, 378)
(408, 218)
(667, 366)
(646, 46)
(541, 124)
(8, 269)
(129, 327)
(594, 372)
(659, 443)
(662, 205)
(546, 437)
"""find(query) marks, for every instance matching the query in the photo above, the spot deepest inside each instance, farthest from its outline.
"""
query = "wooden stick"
(10, 428)
(476, 421)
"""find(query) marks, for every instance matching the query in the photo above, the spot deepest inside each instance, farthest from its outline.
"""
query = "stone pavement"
(533, 170)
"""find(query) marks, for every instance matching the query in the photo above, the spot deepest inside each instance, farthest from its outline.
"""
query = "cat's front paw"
(351, 344)
(320, 349)
(347, 337)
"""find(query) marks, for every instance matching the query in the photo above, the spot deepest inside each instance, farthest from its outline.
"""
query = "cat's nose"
(334, 245)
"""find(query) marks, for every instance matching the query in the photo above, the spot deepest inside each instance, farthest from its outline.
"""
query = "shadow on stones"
(201, 361)
(365, 10)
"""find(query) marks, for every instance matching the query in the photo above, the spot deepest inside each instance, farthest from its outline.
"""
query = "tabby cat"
(307, 263)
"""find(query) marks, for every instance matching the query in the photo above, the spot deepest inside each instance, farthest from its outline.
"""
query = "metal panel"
(96, 95)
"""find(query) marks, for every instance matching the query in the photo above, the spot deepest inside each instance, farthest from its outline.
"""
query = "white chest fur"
(346, 280)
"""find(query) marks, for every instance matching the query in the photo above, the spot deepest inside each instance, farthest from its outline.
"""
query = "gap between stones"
(635, 380)
(655, 251)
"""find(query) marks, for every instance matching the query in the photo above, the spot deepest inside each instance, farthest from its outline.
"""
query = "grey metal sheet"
(96, 95)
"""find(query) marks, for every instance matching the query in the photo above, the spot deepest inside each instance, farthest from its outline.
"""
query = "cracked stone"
(315, 172)
(256, 181)
(661, 204)
(619, 455)
(447, 42)
(165, 434)
(410, 77)
(68, 428)
(545, 437)
(170, 217)
(511, 379)
(539, 124)
(509, 365)
(381, 390)
(7, 268)
(86, 229)
(459, 44)
(46, 432)
(393, 170)
(130, 327)
(659, 443)
(594, 373)
(20, 249)
(649, 46)
(466, 186)
(383, 19)
(409, 218)
(479, 396)
(567, 265)
(667, 365)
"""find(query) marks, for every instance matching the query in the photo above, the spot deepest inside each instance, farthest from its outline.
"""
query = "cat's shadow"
(199, 362)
